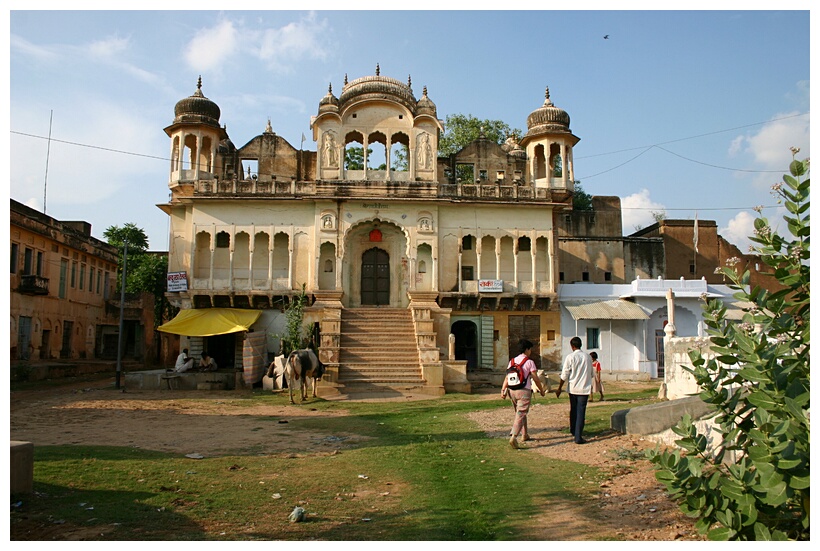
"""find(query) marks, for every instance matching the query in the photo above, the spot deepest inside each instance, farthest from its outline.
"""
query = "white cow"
(303, 367)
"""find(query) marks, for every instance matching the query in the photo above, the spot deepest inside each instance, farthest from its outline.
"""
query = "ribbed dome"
(547, 118)
(377, 87)
(329, 103)
(197, 108)
(425, 106)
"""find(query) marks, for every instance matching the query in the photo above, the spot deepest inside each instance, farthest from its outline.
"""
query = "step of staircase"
(378, 351)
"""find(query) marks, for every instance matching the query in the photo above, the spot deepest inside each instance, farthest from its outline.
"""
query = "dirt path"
(631, 503)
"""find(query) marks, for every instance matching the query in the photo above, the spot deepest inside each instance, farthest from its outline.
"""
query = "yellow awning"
(204, 322)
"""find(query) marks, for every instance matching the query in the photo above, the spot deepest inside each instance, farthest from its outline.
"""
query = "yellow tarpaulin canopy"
(205, 322)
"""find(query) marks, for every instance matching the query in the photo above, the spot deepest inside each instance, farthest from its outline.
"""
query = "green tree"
(399, 159)
(354, 158)
(136, 237)
(581, 200)
(145, 272)
(460, 130)
(296, 334)
(755, 484)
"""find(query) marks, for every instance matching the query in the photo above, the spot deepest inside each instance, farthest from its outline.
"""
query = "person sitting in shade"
(184, 363)
(207, 363)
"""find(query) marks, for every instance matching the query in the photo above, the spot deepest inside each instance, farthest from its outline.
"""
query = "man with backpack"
(518, 384)
(577, 371)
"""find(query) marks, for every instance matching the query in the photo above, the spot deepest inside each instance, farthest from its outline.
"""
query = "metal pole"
(120, 341)
(48, 153)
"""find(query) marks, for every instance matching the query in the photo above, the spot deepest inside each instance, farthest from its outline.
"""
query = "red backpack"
(515, 375)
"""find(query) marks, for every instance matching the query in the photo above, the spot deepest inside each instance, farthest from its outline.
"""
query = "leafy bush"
(754, 485)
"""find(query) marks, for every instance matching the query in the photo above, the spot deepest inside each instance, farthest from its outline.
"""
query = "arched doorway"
(466, 334)
(375, 277)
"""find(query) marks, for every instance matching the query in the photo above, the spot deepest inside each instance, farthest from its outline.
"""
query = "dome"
(375, 88)
(547, 118)
(329, 103)
(197, 108)
(518, 153)
(425, 106)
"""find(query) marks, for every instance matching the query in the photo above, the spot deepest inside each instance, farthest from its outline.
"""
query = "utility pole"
(121, 341)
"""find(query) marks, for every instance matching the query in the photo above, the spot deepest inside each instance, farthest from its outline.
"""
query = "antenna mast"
(48, 152)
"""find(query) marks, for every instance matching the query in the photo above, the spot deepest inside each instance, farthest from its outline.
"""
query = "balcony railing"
(33, 285)
(483, 191)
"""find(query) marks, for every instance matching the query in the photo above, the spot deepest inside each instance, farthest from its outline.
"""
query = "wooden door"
(526, 327)
(375, 278)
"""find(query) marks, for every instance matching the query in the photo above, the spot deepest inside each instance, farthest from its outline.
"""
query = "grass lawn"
(425, 472)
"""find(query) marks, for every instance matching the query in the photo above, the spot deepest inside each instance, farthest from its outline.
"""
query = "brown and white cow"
(303, 367)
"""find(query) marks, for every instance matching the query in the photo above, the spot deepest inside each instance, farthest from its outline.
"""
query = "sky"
(686, 113)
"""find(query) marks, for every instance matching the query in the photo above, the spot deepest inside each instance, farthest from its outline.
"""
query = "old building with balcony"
(62, 300)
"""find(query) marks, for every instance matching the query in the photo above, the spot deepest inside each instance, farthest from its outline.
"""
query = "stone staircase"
(378, 351)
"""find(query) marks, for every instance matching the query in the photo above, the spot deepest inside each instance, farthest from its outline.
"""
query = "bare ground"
(630, 504)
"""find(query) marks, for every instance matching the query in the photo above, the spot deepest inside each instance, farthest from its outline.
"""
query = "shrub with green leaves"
(754, 485)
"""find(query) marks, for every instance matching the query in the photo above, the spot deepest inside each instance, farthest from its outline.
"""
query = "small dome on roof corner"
(197, 108)
(548, 118)
(329, 103)
(425, 105)
(518, 152)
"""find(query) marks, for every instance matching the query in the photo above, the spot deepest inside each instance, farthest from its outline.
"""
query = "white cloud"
(211, 47)
(637, 211)
(302, 39)
(739, 229)
(770, 146)
(108, 48)
(23, 46)
(281, 48)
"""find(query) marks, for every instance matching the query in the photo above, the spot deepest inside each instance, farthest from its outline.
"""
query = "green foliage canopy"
(145, 272)
(755, 484)
(460, 130)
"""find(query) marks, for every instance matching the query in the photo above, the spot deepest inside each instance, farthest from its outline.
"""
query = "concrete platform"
(160, 379)
(656, 418)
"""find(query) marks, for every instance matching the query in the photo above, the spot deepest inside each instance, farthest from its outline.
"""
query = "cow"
(276, 371)
(303, 366)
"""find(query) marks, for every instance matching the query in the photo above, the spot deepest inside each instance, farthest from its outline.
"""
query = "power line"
(702, 209)
(695, 136)
(91, 146)
(645, 148)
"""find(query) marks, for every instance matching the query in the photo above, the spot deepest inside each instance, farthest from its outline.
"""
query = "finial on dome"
(378, 71)
(199, 83)
(269, 128)
(409, 82)
(345, 79)
(547, 100)
(481, 132)
(424, 93)
(329, 87)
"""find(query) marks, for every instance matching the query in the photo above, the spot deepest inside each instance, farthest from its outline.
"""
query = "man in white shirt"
(578, 371)
(184, 363)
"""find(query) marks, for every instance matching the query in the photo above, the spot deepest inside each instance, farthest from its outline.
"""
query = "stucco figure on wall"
(329, 150)
(424, 225)
(424, 152)
(327, 222)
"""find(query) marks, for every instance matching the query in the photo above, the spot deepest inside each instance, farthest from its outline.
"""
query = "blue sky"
(677, 111)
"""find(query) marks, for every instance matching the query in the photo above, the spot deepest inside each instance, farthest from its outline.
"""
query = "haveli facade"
(472, 245)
